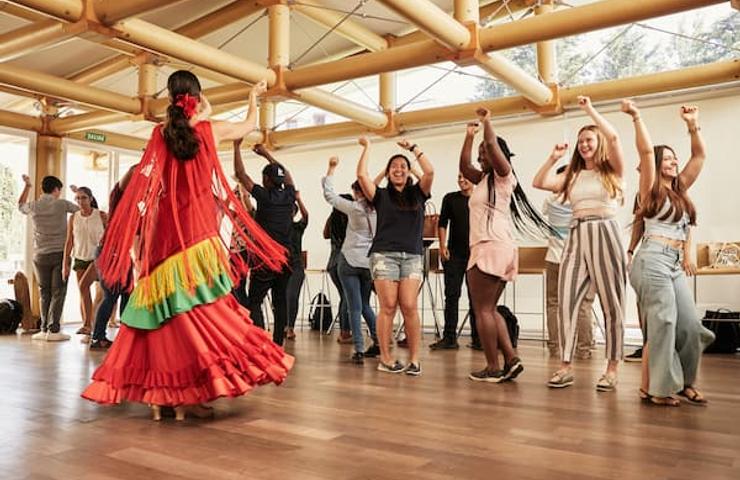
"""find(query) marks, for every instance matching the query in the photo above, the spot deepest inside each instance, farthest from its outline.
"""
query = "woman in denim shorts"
(395, 255)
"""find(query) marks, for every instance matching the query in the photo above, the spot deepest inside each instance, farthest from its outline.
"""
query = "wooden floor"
(335, 420)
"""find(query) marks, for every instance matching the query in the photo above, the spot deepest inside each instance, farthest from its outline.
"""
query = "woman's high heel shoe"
(156, 412)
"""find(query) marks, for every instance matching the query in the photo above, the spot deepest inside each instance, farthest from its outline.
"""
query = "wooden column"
(547, 63)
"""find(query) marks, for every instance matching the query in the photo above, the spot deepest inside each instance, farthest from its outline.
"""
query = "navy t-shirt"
(275, 211)
(399, 228)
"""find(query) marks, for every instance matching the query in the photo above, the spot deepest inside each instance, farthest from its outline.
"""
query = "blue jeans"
(674, 334)
(343, 310)
(357, 285)
(110, 295)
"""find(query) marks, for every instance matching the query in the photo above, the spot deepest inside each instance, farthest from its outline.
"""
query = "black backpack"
(320, 313)
(512, 323)
(11, 314)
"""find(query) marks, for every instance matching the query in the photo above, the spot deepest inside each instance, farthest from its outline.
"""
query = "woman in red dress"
(184, 339)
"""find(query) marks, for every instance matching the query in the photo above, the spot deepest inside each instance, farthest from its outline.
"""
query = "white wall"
(716, 194)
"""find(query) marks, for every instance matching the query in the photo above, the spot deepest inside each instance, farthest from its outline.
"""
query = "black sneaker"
(397, 367)
(512, 370)
(486, 375)
(358, 358)
(372, 351)
(475, 346)
(103, 344)
(444, 344)
(635, 356)
(413, 369)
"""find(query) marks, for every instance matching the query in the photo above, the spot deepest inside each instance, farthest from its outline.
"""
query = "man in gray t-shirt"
(49, 217)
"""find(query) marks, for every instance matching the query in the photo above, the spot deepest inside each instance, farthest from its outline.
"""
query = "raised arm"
(234, 130)
(366, 183)
(23, 199)
(545, 179)
(644, 149)
(239, 171)
(379, 177)
(427, 170)
(689, 174)
(260, 150)
(204, 111)
(613, 143)
(330, 195)
(498, 160)
(466, 164)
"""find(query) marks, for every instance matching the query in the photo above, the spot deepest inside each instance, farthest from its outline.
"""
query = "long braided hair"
(528, 221)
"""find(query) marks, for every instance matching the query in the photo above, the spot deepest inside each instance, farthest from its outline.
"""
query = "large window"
(14, 162)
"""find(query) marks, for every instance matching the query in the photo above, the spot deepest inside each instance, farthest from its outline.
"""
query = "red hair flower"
(188, 103)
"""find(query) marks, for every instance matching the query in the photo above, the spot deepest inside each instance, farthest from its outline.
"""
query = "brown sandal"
(692, 395)
(665, 401)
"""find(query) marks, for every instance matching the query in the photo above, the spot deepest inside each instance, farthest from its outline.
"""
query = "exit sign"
(95, 137)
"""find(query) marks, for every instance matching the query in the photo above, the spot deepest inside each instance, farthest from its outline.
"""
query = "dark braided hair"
(528, 221)
(178, 134)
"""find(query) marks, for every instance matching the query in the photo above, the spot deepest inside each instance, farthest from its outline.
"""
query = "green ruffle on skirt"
(179, 302)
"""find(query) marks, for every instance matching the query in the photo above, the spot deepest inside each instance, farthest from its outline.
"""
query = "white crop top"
(589, 194)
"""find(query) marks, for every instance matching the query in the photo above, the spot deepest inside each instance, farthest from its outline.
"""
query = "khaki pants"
(585, 317)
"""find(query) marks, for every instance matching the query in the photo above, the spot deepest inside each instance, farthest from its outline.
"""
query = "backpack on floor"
(512, 323)
(11, 314)
(319, 313)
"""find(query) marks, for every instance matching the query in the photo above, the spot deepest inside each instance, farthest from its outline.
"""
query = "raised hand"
(333, 162)
(238, 143)
(558, 151)
(483, 114)
(363, 141)
(259, 149)
(26, 179)
(629, 107)
(74, 188)
(584, 102)
(472, 128)
(690, 114)
(259, 88)
(405, 144)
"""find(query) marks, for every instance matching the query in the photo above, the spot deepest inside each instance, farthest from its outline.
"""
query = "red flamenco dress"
(184, 339)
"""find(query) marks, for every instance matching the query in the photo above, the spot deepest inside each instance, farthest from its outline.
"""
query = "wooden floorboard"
(335, 420)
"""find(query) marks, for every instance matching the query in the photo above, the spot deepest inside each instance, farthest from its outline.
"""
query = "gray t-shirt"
(49, 216)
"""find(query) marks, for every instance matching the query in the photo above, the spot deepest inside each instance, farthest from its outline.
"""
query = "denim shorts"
(395, 266)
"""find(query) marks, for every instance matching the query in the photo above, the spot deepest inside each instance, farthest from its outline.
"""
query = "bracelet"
(695, 129)
(411, 149)
(636, 119)
(631, 252)
(418, 154)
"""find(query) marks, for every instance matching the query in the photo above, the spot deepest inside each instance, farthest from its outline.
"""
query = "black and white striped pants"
(593, 259)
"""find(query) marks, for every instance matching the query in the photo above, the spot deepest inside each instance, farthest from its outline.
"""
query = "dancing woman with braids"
(496, 200)
(184, 339)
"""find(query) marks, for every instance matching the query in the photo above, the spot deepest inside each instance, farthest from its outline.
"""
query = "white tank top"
(589, 193)
(87, 234)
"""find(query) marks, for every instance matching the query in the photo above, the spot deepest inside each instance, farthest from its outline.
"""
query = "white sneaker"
(57, 337)
(39, 336)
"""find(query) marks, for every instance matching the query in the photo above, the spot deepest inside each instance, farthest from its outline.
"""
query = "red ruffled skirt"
(211, 351)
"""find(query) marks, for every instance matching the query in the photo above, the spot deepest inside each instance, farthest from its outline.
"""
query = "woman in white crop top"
(593, 257)
(673, 335)
(84, 231)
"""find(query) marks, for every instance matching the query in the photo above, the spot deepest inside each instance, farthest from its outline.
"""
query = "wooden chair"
(532, 262)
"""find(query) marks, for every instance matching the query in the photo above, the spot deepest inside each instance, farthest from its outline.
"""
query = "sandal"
(665, 401)
(645, 396)
(561, 379)
(607, 383)
(692, 395)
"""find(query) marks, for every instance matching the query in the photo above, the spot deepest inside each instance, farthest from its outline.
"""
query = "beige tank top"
(588, 196)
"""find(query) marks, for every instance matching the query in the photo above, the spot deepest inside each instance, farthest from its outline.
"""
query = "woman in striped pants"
(593, 257)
